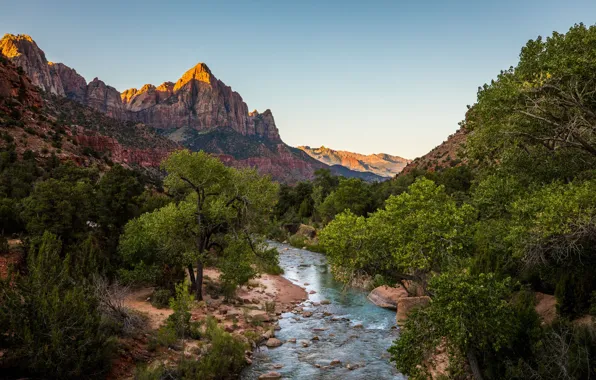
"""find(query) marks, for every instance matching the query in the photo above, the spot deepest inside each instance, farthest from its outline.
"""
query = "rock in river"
(270, 375)
(386, 296)
(273, 342)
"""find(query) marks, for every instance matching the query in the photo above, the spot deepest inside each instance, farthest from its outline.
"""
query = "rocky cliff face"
(198, 101)
(79, 133)
(198, 111)
(73, 84)
(384, 165)
(24, 52)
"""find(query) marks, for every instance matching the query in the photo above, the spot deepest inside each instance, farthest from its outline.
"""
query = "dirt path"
(138, 300)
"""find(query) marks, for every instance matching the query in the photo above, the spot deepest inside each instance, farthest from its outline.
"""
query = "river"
(352, 330)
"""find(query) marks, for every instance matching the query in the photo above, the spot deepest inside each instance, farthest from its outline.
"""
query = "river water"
(353, 330)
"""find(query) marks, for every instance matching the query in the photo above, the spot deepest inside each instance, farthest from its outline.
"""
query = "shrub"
(4, 247)
(51, 325)
(161, 298)
(224, 360)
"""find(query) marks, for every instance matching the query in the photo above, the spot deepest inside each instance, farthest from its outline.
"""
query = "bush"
(224, 360)
(4, 247)
(161, 298)
(51, 325)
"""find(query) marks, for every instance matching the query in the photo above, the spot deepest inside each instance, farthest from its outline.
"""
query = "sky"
(366, 76)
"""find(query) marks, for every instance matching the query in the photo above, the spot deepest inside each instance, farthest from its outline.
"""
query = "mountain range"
(382, 164)
(198, 111)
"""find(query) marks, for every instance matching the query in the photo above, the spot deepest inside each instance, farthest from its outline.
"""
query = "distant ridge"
(382, 164)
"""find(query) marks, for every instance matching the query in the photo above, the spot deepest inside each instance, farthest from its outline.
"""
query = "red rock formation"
(73, 84)
(122, 154)
(105, 99)
(386, 296)
(442, 156)
(19, 87)
(24, 52)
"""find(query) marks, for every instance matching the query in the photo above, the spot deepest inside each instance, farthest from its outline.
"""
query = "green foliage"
(236, 266)
(181, 304)
(564, 351)
(218, 209)
(161, 298)
(224, 360)
(59, 206)
(50, 324)
(351, 194)
(421, 231)
(533, 121)
(469, 314)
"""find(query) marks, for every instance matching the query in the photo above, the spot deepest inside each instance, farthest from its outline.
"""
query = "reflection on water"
(350, 329)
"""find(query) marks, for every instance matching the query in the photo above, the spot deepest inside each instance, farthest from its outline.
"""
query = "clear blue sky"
(367, 76)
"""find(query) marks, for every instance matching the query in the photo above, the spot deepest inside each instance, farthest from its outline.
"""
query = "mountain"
(45, 126)
(383, 165)
(446, 154)
(198, 111)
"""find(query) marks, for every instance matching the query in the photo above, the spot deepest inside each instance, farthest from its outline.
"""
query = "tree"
(49, 322)
(351, 193)
(218, 205)
(468, 314)
(61, 207)
(553, 230)
(419, 232)
(536, 120)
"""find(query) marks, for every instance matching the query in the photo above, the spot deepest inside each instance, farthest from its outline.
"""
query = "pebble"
(312, 292)
(335, 362)
(291, 340)
(307, 314)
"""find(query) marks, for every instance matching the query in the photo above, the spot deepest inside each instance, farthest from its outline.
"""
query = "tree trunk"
(191, 273)
(474, 365)
(199, 283)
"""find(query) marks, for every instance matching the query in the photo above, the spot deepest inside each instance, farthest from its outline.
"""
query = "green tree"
(218, 204)
(351, 193)
(50, 324)
(419, 232)
(468, 314)
(61, 207)
(536, 120)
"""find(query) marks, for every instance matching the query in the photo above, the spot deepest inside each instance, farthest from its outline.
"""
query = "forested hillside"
(520, 224)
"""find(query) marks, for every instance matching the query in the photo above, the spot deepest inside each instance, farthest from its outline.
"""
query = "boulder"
(273, 342)
(546, 307)
(306, 231)
(259, 315)
(406, 305)
(386, 296)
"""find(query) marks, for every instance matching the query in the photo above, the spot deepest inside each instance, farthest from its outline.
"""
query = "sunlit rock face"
(198, 111)
(199, 101)
(382, 164)
(24, 52)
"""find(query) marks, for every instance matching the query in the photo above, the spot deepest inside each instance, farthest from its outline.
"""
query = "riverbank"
(336, 333)
(251, 316)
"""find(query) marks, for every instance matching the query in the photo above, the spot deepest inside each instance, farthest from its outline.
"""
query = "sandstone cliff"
(198, 111)
(384, 165)
(24, 52)
(50, 125)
